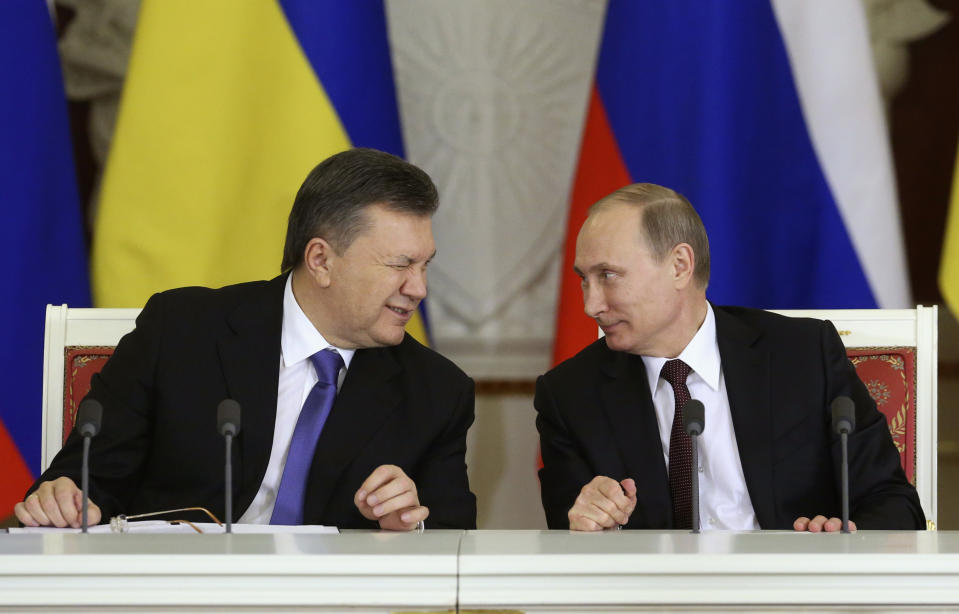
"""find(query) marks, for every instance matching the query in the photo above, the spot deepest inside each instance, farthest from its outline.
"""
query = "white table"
(372, 571)
(577, 572)
(538, 571)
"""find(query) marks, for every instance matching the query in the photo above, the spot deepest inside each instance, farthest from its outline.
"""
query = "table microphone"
(228, 423)
(843, 423)
(694, 422)
(89, 415)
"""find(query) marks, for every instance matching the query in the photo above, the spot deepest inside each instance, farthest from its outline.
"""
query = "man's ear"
(318, 259)
(684, 263)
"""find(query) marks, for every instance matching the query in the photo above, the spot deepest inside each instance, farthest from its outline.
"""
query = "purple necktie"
(316, 408)
(680, 447)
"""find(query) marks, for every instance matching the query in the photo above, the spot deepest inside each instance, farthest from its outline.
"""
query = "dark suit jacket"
(596, 417)
(159, 447)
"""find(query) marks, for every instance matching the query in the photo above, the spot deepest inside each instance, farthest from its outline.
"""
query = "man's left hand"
(389, 497)
(821, 524)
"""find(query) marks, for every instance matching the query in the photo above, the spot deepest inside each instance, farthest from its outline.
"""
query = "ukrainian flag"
(226, 108)
(949, 269)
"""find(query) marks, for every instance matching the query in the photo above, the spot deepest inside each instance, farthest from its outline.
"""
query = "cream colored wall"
(501, 454)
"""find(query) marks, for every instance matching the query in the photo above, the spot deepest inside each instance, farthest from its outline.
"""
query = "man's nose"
(594, 302)
(415, 285)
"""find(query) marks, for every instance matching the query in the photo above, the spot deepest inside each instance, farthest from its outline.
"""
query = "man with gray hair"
(610, 419)
(347, 420)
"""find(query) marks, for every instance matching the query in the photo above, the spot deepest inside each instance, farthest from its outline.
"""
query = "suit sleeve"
(564, 471)
(880, 497)
(441, 479)
(124, 388)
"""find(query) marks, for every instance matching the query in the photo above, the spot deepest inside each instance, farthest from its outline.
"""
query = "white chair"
(75, 344)
(893, 337)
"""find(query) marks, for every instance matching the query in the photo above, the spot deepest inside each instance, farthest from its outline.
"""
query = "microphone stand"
(695, 483)
(228, 424)
(694, 423)
(844, 438)
(228, 469)
(89, 416)
(85, 481)
(843, 423)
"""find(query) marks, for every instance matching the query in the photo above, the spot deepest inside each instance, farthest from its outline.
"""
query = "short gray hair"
(667, 220)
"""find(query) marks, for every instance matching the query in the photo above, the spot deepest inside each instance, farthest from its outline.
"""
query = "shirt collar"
(299, 339)
(701, 354)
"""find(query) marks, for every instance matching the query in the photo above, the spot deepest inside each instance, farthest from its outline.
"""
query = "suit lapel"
(746, 370)
(250, 358)
(370, 392)
(629, 409)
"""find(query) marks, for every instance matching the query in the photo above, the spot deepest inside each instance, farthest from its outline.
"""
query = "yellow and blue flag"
(226, 108)
(949, 269)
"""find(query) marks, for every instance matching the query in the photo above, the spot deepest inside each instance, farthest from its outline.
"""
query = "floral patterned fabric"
(80, 363)
(890, 375)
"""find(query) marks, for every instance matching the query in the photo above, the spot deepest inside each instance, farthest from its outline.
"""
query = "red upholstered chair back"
(77, 343)
(79, 365)
(895, 353)
(890, 376)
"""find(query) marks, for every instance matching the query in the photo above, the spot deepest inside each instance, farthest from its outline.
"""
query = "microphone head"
(228, 417)
(89, 415)
(843, 415)
(694, 417)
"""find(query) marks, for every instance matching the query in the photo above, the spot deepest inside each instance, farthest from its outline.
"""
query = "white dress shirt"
(299, 340)
(723, 499)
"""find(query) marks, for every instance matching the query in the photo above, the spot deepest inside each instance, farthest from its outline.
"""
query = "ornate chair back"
(76, 344)
(895, 352)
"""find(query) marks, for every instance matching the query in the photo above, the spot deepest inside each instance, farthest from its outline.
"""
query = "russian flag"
(42, 248)
(766, 115)
(226, 108)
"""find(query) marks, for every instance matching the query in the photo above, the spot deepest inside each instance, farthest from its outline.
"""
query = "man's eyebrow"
(409, 260)
(599, 266)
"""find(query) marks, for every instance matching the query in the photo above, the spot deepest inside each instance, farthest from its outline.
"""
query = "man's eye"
(608, 274)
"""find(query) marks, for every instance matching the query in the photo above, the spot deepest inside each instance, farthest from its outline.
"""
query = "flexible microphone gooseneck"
(89, 416)
(843, 423)
(228, 424)
(694, 422)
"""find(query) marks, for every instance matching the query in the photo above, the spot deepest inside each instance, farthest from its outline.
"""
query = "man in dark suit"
(346, 420)
(610, 423)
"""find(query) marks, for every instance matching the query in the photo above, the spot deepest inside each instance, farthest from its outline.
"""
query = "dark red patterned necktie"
(680, 449)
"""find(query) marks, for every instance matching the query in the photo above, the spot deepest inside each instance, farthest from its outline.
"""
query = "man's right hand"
(57, 503)
(603, 504)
